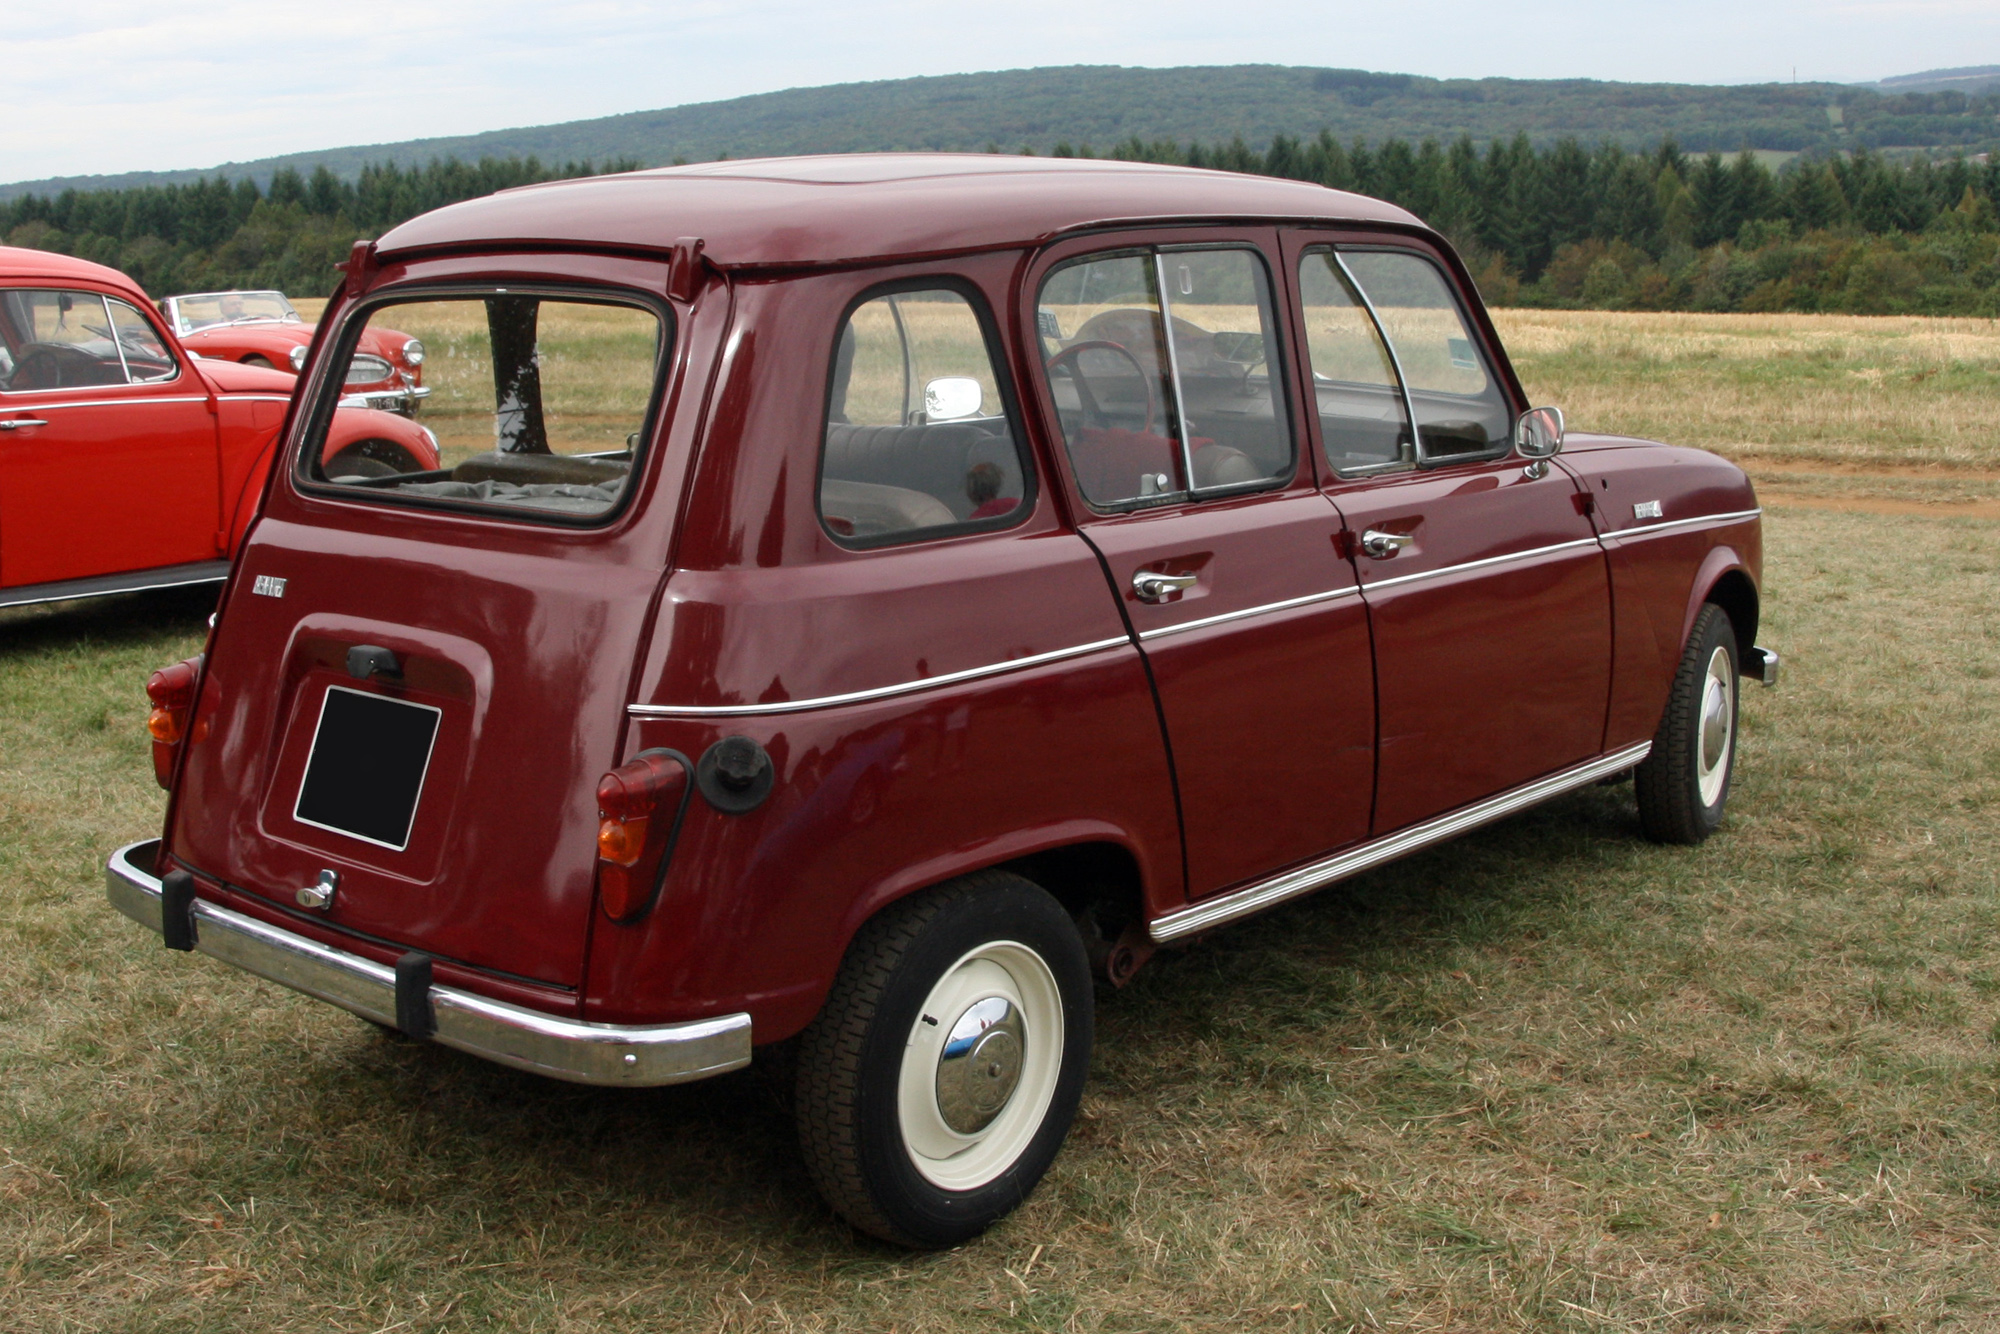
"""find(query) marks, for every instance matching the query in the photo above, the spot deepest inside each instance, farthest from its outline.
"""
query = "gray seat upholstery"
(930, 459)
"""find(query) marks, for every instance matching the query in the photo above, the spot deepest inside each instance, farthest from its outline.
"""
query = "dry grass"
(1549, 1077)
(1787, 394)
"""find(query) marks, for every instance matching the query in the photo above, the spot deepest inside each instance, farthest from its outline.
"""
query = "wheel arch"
(1724, 579)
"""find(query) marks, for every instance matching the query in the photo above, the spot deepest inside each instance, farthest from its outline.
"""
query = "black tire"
(370, 458)
(254, 360)
(1683, 784)
(853, 1087)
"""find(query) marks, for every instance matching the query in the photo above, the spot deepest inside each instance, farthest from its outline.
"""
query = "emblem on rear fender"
(1645, 509)
(270, 585)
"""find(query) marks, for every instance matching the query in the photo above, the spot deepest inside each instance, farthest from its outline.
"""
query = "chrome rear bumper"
(1761, 664)
(526, 1039)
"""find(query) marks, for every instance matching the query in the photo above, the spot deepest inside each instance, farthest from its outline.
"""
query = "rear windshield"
(532, 404)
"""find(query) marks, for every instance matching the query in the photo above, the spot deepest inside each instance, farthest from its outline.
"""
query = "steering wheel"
(42, 366)
(1065, 360)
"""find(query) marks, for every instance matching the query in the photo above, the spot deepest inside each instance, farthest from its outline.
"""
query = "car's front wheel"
(1684, 783)
(938, 1082)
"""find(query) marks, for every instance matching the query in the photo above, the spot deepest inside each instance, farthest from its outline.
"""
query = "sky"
(101, 86)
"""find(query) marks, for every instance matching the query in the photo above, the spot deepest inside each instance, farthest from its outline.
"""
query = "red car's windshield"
(207, 310)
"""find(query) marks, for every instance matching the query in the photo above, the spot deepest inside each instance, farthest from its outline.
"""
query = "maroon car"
(869, 596)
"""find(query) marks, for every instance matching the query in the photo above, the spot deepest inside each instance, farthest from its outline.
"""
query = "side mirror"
(1539, 433)
(952, 397)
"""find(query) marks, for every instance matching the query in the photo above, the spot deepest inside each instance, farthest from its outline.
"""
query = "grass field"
(1549, 1077)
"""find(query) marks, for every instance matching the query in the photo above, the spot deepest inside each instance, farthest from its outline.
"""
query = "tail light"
(640, 806)
(172, 691)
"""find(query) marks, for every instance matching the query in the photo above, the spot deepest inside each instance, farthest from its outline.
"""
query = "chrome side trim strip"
(111, 402)
(104, 585)
(1331, 595)
(634, 1056)
(1486, 563)
(865, 696)
(1317, 875)
(1681, 525)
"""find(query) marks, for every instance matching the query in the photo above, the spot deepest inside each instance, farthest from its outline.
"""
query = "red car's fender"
(251, 405)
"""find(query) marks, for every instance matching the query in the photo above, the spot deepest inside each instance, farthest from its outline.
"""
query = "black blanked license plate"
(366, 769)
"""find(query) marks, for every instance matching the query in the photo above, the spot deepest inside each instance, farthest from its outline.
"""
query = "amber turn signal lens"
(622, 842)
(164, 725)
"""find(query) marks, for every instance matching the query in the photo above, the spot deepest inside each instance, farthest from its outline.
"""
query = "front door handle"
(1383, 545)
(18, 422)
(1149, 586)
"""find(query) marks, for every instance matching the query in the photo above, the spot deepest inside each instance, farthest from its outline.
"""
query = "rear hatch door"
(418, 679)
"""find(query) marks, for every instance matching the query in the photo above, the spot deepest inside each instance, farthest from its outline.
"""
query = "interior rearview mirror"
(1539, 433)
(952, 397)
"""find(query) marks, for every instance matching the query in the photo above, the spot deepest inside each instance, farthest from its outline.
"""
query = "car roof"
(16, 262)
(861, 207)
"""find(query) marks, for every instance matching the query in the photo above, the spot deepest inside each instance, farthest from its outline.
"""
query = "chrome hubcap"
(1718, 725)
(980, 1065)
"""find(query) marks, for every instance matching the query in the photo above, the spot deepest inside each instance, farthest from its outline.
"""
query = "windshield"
(207, 310)
(539, 404)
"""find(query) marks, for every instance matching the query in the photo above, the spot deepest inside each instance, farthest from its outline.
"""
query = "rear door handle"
(1383, 545)
(18, 422)
(1149, 586)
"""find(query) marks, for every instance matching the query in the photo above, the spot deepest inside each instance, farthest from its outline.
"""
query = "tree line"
(216, 233)
(1561, 225)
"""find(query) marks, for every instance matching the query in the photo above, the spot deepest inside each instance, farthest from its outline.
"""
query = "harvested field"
(1549, 1077)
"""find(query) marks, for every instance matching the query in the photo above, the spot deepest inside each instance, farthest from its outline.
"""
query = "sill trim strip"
(1292, 884)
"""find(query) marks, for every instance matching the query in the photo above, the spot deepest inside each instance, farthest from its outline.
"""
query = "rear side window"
(56, 339)
(918, 435)
(536, 405)
(1162, 368)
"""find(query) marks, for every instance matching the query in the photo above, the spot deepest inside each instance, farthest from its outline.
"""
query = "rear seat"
(931, 459)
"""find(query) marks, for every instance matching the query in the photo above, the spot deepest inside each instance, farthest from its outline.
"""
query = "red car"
(262, 329)
(893, 590)
(126, 464)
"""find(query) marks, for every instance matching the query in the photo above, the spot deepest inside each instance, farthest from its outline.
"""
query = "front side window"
(1459, 405)
(56, 339)
(1362, 421)
(1163, 370)
(918, 437)
(538, 404)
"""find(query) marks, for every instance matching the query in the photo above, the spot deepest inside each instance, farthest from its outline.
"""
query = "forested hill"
(1102, 105)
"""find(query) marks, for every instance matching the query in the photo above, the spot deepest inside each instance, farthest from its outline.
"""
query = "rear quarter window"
(920, 439)
(539, 403)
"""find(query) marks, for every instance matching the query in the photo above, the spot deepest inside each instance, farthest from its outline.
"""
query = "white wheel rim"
(1001, 977)
(1717, 727)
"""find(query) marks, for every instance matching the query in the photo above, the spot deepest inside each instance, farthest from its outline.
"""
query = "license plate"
(366, 770)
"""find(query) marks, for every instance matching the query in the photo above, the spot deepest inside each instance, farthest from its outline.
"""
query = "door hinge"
(1586, 504)
(1344, 544)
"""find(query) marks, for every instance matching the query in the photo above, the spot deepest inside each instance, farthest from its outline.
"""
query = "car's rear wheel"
(939, 1080)
(254, 360)
(1684, 783)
